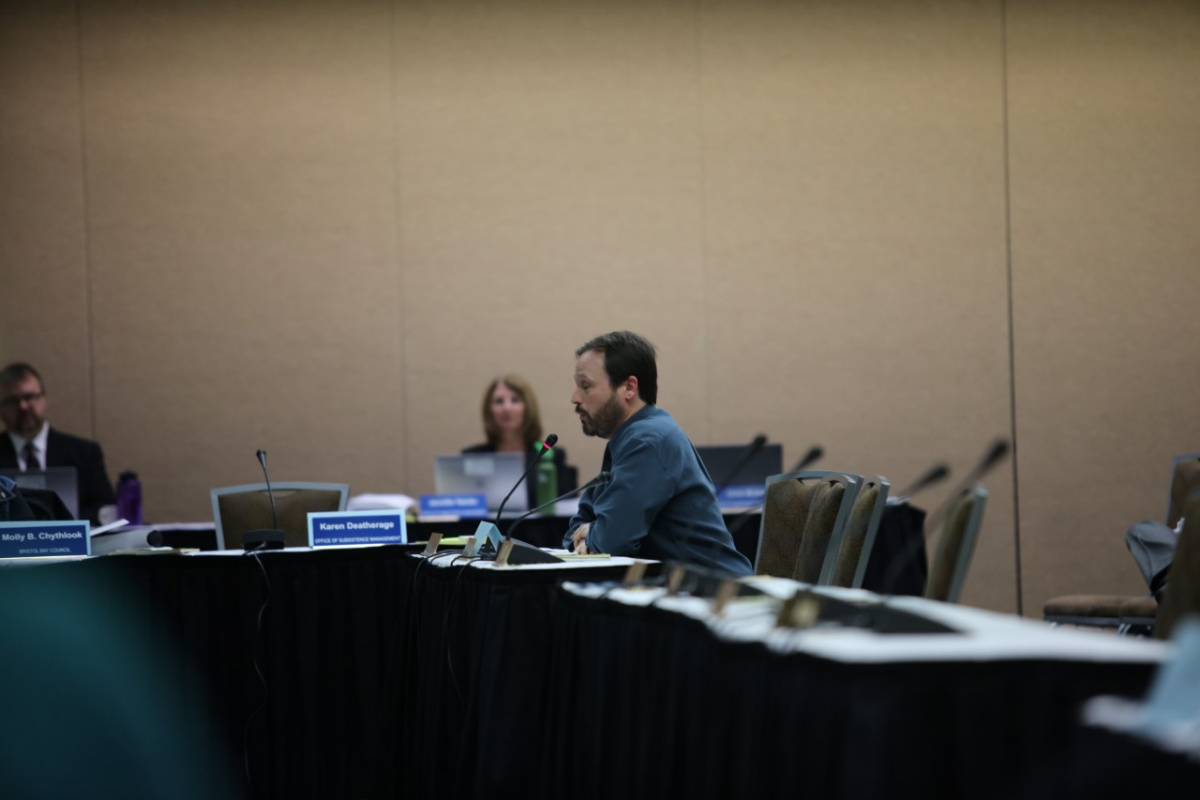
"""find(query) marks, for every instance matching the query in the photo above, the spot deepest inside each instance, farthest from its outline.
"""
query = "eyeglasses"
(17, 399)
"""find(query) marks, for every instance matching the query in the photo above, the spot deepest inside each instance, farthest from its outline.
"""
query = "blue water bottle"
(129, 498)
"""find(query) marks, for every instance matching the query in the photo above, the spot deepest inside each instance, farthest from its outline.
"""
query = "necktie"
(31, 459)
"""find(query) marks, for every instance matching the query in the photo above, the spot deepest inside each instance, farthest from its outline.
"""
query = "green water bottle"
(547, 482)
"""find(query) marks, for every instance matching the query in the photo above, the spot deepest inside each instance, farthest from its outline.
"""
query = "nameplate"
(725, 592)
(742, 496)
(472, 506)
(339, 528)
(634, 574)
(41, 539)
(504, 552)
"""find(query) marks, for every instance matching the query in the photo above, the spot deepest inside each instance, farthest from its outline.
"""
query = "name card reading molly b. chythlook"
(41, 539)
(339, 528)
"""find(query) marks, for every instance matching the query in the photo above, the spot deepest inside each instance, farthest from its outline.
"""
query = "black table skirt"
(647, 703)
(465, 687)
(389, 677)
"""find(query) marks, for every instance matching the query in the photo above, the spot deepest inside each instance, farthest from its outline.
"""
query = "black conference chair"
(956, 545)
(803, 522)
(1122, 611)
(859, 538)
(240, 509)
(1182, 595)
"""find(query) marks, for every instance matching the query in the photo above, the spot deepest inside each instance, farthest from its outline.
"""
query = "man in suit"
(29, 443)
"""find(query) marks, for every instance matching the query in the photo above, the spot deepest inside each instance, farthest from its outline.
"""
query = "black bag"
(30, 505)
(13, 507)
(1152, 545)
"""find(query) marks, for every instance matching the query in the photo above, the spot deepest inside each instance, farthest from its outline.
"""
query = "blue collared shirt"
(661, 503)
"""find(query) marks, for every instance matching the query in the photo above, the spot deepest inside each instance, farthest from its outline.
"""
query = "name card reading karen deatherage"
(39, 539)
(334, 528)
(471, 506)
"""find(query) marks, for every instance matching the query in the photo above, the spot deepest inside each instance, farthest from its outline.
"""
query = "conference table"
(389, 674)
(871, 700)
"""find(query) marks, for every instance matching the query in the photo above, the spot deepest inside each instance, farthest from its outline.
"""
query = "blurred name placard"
(472, 506)
(38, 539)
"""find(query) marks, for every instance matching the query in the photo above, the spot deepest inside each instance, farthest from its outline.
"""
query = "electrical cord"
(262, 678)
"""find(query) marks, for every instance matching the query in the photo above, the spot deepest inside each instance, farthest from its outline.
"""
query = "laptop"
(61, 480)
(744, 486)
(490, 474)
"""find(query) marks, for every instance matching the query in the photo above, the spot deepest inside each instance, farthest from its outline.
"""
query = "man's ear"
(630, 388)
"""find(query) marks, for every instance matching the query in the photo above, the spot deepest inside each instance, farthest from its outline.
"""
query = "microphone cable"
(446, 622)
(262, 678)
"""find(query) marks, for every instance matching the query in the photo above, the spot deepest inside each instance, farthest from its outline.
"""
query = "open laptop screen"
(490, 474)
(744, 489)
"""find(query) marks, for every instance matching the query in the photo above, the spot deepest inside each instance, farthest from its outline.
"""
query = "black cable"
(411, 607)
(262, 678)
(446, 625)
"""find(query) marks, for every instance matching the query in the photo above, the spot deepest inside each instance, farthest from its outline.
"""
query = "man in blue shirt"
(660, 503)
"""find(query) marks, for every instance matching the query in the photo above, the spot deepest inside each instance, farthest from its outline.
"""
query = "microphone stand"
(525, 553)
(267, 538)
(487, 535)
(995, 453)
(599, 480)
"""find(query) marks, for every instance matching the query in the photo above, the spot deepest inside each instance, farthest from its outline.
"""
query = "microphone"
(267, 538)
(491, 530)
(814, 454)
(262, 461)
(995, 453)
(991, 458)
(549, 443)
(525, 553)
(936, 474)
(599, 480)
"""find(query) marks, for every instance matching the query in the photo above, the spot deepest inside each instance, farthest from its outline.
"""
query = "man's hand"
(579, 539)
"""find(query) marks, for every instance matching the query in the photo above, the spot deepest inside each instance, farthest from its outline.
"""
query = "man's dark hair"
(19, 370)
(626, 354)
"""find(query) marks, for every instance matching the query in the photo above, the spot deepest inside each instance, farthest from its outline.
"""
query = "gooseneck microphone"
(488, 534)
(262, 460)
(599, 480)
(991, 458)
(814, 454)
(936, 474)
(995, 453)
(267, 538)
(549, 443)
(526, 553)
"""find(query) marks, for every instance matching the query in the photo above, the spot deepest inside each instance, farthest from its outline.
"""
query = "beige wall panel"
(856, 250)
(550, 191)
(43, 272)
(241, 201)
(1105, 165)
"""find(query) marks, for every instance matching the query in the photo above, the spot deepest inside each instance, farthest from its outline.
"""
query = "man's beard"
(605, 421)
(28, 425)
